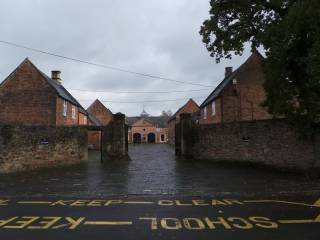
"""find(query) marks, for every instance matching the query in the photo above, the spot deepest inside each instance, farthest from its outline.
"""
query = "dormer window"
(65, 108)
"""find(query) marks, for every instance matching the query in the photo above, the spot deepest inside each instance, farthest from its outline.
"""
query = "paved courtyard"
(157, 196)
(154, 170)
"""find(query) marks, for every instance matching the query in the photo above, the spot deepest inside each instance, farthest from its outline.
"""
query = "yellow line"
(296, 221)
(133, 202)
(108, 223)
(278, 201)
(317, 203)
(301, 221)
(34, 202)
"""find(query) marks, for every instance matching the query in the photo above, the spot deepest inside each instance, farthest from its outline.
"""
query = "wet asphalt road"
(156, 196)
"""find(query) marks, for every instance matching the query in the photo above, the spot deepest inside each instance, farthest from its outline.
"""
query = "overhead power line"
(129, 92)
(101, 65)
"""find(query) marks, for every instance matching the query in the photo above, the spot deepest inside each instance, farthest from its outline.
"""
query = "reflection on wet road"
(154, 169)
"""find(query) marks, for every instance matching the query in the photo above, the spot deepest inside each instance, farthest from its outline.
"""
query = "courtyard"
(153, 169)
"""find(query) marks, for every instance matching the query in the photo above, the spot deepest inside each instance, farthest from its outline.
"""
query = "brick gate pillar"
(120, 135)
(185, 133)
(114, 139)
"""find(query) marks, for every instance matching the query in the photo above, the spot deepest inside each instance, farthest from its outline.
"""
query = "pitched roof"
(98, 104)
(143, 122)
(94, 120)
(60, 90)
(175, 114)
(216, 92)
(159, 121)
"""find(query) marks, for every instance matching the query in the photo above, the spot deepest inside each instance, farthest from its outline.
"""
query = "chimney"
(228, 71)
(55, 75)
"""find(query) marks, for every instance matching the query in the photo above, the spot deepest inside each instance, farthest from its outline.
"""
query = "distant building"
(99, 115)
(190, 107)
(239, 96)
(147, 129)
(30, 97)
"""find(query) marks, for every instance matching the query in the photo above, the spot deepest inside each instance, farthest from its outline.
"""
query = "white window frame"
(65, 108)
(164, 137)
(213, 108)
(73, 110)
(205, 112)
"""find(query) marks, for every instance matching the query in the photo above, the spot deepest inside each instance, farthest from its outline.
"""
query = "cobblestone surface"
(154, 170)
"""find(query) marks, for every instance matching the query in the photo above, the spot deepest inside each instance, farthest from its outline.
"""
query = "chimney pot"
(228, 71)
(55, 75)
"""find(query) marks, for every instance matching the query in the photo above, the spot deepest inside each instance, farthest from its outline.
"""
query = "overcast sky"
(158, 37)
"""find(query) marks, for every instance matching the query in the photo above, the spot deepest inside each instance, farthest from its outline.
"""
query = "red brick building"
(29, 97)
(147, 129)
(100, 112)
(239, 96)
(190, 107)
(99, 115)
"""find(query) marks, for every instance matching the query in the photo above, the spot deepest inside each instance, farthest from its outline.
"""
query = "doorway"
(136, 138)
(151, 138)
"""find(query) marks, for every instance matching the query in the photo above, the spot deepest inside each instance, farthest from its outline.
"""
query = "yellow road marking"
(317, 203)
(301, 221)
(34, 202)
(279, 201)
(133, 202)
(108, 223)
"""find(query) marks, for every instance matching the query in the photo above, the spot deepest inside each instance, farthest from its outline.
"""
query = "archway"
(151, 138)
(136, 138)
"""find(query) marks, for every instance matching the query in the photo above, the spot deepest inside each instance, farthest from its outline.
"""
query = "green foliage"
(289, 31)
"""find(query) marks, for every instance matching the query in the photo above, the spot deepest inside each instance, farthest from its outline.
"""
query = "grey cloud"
(150, 36)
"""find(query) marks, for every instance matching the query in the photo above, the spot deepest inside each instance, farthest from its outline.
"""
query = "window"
(162, 137)
(213, 106)
(65, 108)
(205, 112)
(85, 120)
(73, 112)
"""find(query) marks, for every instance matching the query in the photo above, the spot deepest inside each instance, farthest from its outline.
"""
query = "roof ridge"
(217, 90)
(51, 82)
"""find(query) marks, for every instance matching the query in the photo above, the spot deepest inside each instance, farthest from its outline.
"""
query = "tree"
(165, 113)
(169, 112)
(289, 31)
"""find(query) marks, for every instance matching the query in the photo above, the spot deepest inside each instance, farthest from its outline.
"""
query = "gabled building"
(99, 115)
(30, 97)
(98, 111)
(147, 129)
(239, 96)
(189, 107)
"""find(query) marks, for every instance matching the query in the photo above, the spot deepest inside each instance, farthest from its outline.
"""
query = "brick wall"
(241, 101)
(267, 142)
(159, 132)
(25, 148)
(67, 120)
(26, 98)
(212, 118)
(83, 119)
(94, 140)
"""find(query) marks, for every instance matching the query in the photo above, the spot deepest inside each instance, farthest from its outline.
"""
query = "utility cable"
(101, 65)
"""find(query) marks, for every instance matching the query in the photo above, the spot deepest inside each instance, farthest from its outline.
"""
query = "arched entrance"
(151, 138)
(136, 138)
